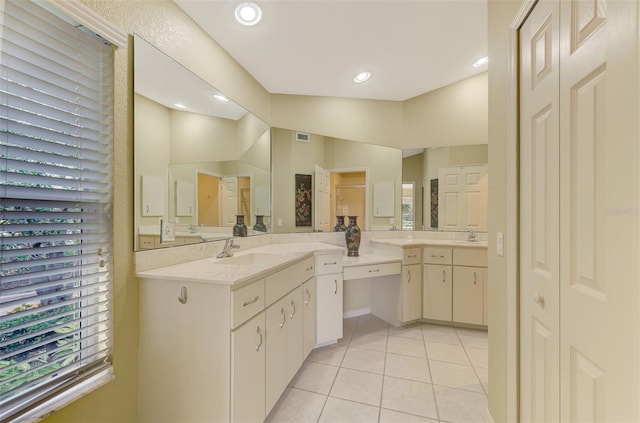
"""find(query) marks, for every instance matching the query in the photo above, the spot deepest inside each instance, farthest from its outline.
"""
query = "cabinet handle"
(336, 282)
(444, 276)
(284, 317)
(331, 264)
(293, 313)
(434, 256)
(308, 300)
(183, 295)
(309, 268)
(250, 302)
(259, 342)
(409, 272)
(538, 299)
(374, 271)
(413, 256)
(147, 208)
(475, 278)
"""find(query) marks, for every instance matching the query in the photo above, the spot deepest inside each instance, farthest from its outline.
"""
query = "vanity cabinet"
(437, 284)
(454, 285)
(411, 292)
(329, 298)
(213, 352)
(248, 371)
(283, 344)
(308, 316)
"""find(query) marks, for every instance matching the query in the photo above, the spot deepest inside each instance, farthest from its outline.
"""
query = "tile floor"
(378, 373)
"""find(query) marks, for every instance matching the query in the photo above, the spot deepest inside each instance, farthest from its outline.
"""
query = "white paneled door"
(539, 216)
(322, 199)
(579, 212)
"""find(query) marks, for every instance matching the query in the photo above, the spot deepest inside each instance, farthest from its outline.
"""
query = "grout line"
(433, 391)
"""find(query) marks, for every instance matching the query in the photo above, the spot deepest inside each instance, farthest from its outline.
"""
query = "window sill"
(85, 387)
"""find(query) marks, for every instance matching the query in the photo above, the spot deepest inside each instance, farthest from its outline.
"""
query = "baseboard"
(488, 418)
(356, 313)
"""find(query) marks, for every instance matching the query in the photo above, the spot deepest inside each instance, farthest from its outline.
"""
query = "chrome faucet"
(226, 250)
(471, 235)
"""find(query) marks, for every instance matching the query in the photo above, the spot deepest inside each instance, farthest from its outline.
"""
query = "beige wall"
(413, 171)
(501, 14)
(452, 115)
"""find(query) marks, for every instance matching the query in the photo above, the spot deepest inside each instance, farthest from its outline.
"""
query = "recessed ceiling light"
(248, 14)
(180, 106)
(481, 61)
(221, 97)
(361, 77)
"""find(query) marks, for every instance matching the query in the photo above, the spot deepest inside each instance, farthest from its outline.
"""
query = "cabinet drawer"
(434, 255)
(470, 257)
(411, 256)
(372, 270)
(308, 268)
(280, 284)
(328, 263)
(146, 242)
(247, 302)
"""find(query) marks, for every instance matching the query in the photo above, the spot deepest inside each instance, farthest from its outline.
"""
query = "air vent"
(303, 136)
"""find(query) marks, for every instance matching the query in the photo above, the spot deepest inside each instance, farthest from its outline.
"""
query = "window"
(56, 146)
(408, 200)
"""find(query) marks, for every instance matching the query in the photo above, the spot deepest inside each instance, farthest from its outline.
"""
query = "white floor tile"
(350, 324)
(406, 346)
(315, 377)
(413, 331)
(459, 406)
(370, 341)
(341, 411)
(446, 352)
(406, 367)
(390, 416)
(473, 338)
(409, 397)
(331, 354)
(365, 360)
(483, 374)
(297, 406)
(358, 386)
(455, 376)
(442, 334)
(479, 357)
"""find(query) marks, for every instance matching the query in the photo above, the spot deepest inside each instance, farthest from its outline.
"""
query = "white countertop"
(408, 242)
(268, 258)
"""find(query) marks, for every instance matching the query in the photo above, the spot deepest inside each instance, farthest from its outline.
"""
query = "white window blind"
(56, 145)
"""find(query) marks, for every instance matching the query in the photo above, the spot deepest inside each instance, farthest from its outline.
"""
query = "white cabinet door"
(383, 199)
(322, 199)
(276, 355)
(295, 312)
(184, 198)
(411, 292)
(229, 203)
(437, 292)
(248, 371)
(468, 294)
(329, 308)
(308, 317)
(153, 195)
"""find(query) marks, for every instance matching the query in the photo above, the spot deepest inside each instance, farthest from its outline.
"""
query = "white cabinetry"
(383, 199)
(454, 285)
(329, 297)
(212, 353)
(308, 316)
(248, 371)
(411, 292)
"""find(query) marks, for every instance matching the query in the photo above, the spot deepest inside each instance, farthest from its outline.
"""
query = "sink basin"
(251, 259)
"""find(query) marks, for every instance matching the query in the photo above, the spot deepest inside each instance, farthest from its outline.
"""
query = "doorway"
(208, 200)
(348, 196)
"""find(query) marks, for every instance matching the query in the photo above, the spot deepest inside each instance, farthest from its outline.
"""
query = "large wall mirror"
(445, 188)
(200, 159)
(350, 178)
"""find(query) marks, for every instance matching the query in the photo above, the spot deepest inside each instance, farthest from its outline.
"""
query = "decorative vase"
(240, 229)
(352, 236)
(260, 226)
(340, 226)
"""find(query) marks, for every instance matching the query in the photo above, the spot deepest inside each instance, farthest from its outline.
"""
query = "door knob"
(538, 299)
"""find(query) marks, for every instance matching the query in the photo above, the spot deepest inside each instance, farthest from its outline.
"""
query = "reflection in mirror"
(445, 188)
(200, 159)
(349, 177)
